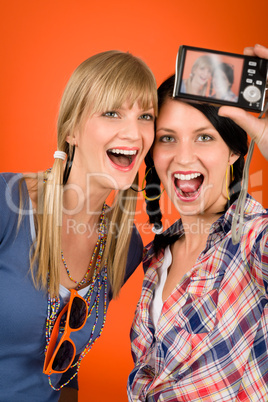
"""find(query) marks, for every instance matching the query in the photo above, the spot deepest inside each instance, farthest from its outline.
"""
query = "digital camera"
(220, 78)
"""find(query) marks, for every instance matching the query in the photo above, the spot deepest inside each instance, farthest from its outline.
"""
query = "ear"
(71, 139)
(233, 157)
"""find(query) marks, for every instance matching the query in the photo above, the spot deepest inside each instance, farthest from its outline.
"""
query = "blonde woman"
(63, 252)
(199, 79)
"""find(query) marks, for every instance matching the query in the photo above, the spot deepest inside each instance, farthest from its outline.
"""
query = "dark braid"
(152, 190)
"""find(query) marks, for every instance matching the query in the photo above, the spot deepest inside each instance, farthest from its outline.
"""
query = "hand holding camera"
(229, 79)
(256, 128)
(221, 78)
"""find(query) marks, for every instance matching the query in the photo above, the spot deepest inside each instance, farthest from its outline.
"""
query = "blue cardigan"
(23, 308)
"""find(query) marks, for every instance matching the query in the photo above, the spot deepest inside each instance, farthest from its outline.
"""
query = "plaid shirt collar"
(217, 230)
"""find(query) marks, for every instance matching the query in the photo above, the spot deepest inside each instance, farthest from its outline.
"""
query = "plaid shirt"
(211, 341)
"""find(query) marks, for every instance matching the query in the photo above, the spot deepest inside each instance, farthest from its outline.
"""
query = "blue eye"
(166, 139)
(204, 138)
(110, 114)
(147, 116)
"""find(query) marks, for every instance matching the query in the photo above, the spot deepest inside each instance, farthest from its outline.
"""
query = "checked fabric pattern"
(211, 341)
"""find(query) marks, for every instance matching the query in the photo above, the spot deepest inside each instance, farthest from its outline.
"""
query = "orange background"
(42, 42)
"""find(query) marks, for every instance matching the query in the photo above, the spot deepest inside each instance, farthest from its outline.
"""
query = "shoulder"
(13, 182)
(255, 226)
(16, 189)
(9, 202)
(255, 230)
(8, 178)
(256, 216)
(9, 187)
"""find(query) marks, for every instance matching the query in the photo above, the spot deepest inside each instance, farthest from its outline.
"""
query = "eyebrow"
(167, 130)
(204, 128)
(148, 109)
(143, 110)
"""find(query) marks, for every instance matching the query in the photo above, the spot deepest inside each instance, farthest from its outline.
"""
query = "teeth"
(186, 176)
(123, 151)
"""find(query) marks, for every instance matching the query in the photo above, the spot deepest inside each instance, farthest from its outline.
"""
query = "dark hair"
(228, 71)
(233, 135)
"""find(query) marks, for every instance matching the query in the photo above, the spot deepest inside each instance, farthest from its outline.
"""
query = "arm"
(256, 128)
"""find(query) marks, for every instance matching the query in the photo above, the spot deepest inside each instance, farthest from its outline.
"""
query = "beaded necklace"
(99, 279)
(84, 279)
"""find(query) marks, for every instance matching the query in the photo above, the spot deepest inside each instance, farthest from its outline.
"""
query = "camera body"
(220, 78)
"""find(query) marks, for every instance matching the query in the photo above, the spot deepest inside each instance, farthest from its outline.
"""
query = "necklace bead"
(100, 236)
(99, 279)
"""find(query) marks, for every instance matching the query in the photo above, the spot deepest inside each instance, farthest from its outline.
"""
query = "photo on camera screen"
(211, 75)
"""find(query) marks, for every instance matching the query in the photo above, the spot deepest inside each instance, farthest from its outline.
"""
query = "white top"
(157, 302)
(65, 293)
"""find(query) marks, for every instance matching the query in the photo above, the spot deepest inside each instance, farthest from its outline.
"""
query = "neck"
(83, 199)
(196, 229)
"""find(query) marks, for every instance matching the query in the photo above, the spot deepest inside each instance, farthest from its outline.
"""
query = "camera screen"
(212, 75)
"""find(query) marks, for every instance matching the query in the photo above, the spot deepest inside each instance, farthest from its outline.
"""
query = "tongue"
(120, 160)
(189, 186)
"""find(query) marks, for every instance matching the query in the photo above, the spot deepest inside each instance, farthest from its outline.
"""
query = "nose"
(185, 154)
(131, 130)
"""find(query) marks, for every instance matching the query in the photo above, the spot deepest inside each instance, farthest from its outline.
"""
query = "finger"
(253, 126)
(257, 50)
(261, 51)
(249, 51)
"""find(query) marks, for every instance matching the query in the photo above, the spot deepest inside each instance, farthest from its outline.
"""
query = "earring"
(143, 189)
(68, 167)
(226, 180)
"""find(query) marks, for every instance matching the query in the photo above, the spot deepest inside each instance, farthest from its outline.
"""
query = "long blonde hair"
(102, 82)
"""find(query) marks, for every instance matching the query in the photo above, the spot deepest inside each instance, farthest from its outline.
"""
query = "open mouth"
(188, 185)
(122, 158)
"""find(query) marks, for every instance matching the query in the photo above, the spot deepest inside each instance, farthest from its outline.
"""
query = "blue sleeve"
(3, 208)
(9, 204)
(135, 253)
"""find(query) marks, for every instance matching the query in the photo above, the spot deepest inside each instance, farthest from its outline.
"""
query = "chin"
(124, 185)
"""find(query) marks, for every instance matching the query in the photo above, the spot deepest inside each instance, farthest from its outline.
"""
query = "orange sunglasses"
(60, 359)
